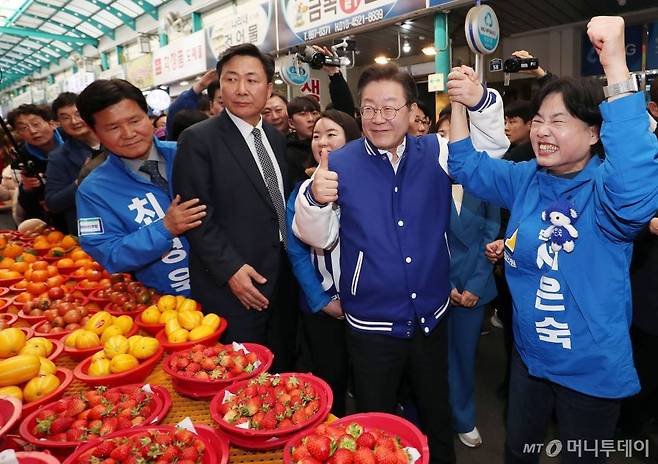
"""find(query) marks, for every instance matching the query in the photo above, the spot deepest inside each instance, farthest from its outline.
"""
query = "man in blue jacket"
(65, 162)
(127, 219)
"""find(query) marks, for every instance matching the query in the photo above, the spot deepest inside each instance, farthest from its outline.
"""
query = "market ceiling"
(37, 33)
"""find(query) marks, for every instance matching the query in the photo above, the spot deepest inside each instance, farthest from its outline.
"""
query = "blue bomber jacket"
(568, 249)
(121, 225)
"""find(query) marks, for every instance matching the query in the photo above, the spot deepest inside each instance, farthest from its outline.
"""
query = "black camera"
(317, 59)
(516, 64)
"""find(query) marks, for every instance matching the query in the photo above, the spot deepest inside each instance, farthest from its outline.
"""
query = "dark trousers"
(327, 350)
(380, 364)
(274, 327)
(580, 417)
(637, 410)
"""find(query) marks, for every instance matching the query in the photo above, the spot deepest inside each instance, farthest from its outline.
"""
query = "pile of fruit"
(25, 371)
(63, 312)
(121, 354)
(93, 413)
(219, 362)
(271, 402)
(98, 329)
(148, 447)
(126, 296)
(166, 308)
(350, 444)
(182, 320)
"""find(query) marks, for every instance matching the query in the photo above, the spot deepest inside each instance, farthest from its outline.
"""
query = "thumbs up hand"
(325, 183)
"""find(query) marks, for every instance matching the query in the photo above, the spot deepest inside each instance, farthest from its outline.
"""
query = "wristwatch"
(627, 86)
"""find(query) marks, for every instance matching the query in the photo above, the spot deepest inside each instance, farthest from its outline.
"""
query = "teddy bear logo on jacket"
(560, 234)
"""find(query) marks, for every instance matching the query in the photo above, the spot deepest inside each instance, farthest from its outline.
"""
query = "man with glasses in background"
(419, 123)
(35, 126)
(392, 216)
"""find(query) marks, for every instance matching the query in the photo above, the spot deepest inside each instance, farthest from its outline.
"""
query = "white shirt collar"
(243, 126)
(399, 150)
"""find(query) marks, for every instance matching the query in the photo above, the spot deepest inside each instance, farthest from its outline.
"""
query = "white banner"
(239, 22)
(183, 58)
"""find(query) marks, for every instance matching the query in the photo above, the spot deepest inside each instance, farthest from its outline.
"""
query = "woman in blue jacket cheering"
(568, 247)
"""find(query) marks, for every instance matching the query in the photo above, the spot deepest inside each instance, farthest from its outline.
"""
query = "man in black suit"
(236, 165)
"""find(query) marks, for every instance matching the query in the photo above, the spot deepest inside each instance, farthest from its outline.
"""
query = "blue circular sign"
(295, 72)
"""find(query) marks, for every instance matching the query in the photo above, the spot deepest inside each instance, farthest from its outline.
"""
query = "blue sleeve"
(492, 180)
(626, 187)
(484, 268)
(302, 266)
(117, 249)
(60, 189)
(188, 100)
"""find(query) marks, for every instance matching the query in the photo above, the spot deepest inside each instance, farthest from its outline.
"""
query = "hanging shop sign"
(78, 81)
(140, 71)
(482, 29)
(294, 71)
(187, 56)
(312, 89)
(300, 21)
(250, 21)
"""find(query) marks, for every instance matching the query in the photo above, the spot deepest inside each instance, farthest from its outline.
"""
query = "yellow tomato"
(40, 386)
(110, 332)
(122, 363)
(165, 316)
(87, 339)
(14, 391)
(99, 321)
(187, 305)
(151, 315)
(42, 340)
(171, 325)
(115, 346)
(47, 366)
(133, 341)
(211, 320)
(12, 341)
(200, 332)
(167, 303)
(179, 300)
(125, 322)
(190, 319)
(72, 337)
(98, 355)
(178, 336)
(99, 368)
(36, 348)
(18, 369)
(145, 348)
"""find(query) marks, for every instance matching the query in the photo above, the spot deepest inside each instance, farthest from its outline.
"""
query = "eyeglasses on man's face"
(388, 112)
(424, 122)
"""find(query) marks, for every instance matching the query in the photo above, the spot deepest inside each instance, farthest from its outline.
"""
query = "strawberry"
(366, 440)
(209, 352)
(388, 443)
(354, 429)
(76, 434)
(170, 453)
(292, 383)
(308, 460)
(364, 456)
(197, 357)
(342, 456)
(269, 421)
(190, 453)
(109, 426)
(181, 363)
(299, 416)
(300, 452)
(104, 449)
(231, 416)
(402, 456)
(112, 396)
(97, 412)
(348, 442)
(319, 446)
(385, 456)
(256, 419)
(252, 406)
(285, 423)
(45, 414)
(61, 424)
(208, 364)
(75, 406)
(124, 423)
(184, 436)
(203, 375)
(120, 453)
(193, 367)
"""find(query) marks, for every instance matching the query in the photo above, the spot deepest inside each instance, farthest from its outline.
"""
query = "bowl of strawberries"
(360, 438)
(164, 443)
(263, 412)
(202, 371)
(71, 421)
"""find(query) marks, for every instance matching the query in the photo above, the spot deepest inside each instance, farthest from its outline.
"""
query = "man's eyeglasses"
(388, 112)
(35, 125)
(424, 122)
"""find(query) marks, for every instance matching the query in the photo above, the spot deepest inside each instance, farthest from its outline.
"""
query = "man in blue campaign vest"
(392, 216)
(127, 219)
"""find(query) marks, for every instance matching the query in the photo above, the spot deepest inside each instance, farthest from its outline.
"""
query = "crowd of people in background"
(366, 241)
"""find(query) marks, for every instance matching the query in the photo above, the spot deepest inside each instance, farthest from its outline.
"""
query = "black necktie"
(271, 183)
(150, 167)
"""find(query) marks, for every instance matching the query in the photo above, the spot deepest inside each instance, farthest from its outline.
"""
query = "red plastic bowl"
(152, 329)
(14, 290)
(217, 451)
(28, 318)
(111, 308)
(52, 336)
(4, 291)
(29, 332)
(4, 302)
(9, 319)
(161, 398)
(208, 341)
(10, 412)
(200, 388)
(79, 355)
(135, 375)
(65, 378)
(58, 347)
(10, 282)
(36, 457)
(408, 433)
(320, 386)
